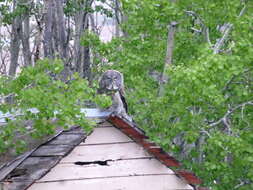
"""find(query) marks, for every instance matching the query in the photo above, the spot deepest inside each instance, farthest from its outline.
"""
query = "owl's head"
(111, 81)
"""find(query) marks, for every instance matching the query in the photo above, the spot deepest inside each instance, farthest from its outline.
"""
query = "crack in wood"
(99, 162)
(92, 144)
(121, 159)
(107, 177)
(17, 173)
(105, 162)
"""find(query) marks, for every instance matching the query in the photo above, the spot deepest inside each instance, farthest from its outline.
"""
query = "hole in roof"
(101, 163)
(17, 173)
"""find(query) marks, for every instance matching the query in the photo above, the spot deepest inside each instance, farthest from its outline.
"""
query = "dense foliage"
(205, 116)
(39, 94)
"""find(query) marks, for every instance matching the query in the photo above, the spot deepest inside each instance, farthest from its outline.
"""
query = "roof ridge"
(139, 136)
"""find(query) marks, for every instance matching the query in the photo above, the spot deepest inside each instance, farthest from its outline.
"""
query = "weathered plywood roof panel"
(73, 137)
(33, 168)
(20, 174)
(49, 150)
(110, 160)
(27, 172)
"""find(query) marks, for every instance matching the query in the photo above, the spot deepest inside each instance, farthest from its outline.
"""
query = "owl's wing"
(122, 96)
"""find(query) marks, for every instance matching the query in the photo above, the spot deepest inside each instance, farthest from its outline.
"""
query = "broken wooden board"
(22, 173)
(27, 172)
(6, 169)
(32, 168)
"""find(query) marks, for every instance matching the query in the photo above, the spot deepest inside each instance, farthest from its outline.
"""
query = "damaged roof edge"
(7, 168)
(138, 135)
(42, 155)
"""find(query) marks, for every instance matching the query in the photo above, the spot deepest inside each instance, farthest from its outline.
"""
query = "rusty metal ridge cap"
(131, 130)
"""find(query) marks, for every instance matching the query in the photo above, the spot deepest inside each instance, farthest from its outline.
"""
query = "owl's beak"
(113, 87)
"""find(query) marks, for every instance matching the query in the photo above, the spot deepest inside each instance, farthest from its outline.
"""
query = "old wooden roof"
(117, 155)
(31, 166)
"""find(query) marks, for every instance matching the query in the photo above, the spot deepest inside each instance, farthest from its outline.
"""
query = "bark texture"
(16, 30)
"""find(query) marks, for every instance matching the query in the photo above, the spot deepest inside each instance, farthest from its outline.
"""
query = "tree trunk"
(79, 19)
(16, 30)
(61, 28)
(48, 48)
(81, 24)
(117, 18)
(86, 59)
(93, 24)
(25, 39)
(55, 38)
(169, 54)
(38, 40)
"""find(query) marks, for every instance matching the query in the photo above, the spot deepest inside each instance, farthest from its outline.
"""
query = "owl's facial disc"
(111, 82)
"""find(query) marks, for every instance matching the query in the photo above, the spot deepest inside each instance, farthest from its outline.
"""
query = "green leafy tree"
(205, 115)
(57, 103)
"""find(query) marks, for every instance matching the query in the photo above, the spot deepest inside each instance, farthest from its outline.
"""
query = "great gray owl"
(112, 84)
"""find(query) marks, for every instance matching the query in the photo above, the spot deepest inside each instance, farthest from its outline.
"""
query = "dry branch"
(224, 119)
(169, 54)
(204, 28)
(228, 28)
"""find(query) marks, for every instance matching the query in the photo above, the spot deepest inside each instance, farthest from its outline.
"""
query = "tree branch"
(224, 119)
(233, 78)
(242, 183)
(221, 41)
(14, 94)
(169, 54)
(204, 28)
